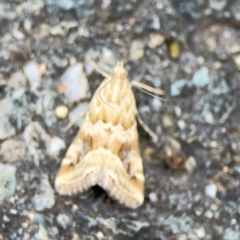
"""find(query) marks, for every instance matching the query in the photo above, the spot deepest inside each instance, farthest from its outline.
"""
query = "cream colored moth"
(105, 151)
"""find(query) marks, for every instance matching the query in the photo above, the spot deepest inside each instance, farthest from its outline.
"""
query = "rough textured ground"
(190, 49)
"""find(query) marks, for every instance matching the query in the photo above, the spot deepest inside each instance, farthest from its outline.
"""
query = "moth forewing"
(105, 151)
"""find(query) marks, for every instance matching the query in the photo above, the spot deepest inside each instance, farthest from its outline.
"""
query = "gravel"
(190, 49)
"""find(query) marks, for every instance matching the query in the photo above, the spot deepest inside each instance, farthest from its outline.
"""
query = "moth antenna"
(146, 128)
(147, 88)
(150, 94)
(73, 121)
(101, 96)
(98, 68)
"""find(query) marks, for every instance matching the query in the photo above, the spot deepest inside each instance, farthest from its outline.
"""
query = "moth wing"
(125, 185)
(74, 175)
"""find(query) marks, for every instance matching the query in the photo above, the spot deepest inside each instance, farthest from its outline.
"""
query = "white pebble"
(13, 211)
(64, 220)
(201, 233)
(178, 111)
(6, 219)
(156, 104)
(181, 124)
(7, 181)
(176, 87)
(33, 74)
(55, 144)
(190, 164)
(18, 34)
(107, 57)
(77, 114)
(201, 77)
(99, 235)
(236, 59)
(208, 214)
(13, 150)
(136, 50)
(41, 234)
(6, 129)
(105, 4)
(217, 5)
(61, 111)
(211, 190)
(167, 121)
(155, 40)
(76, 82)
(44, 197)
(153, 197)
(17, 80)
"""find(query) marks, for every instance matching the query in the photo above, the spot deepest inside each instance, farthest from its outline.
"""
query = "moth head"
(119, 69)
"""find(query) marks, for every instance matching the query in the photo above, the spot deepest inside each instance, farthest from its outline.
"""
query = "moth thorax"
(118, 88)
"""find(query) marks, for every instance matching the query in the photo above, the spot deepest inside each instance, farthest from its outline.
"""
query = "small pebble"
(136, 50)
(156, 104)
(153, 197)
(209, 118)
(61, 111)
(6, 128)
(211, 190)
(148, 152)
(59, 61)
(174, 49)
(13, 211)
(64, 220)
(217, 5)
(201, 77)
(176, 87)
(167, 121)
(181, 124)
(201, 233)
(208, 214)
(13, 150)
(236, 59)
(222, 88)
(105, 4)
(27, 24)
(42, 68)
(178, 111)
(64, 4)
(7, 180)
(213, 144)
(6, 219)
(99, 235)
(44, 197)
(155, 40)
(33, 74)
(77, 114)
(17, 80)
(41, 234)
(54, 145)
(182, 236)
(214, 207)
(107, 56)
(156, 22)
(226, 169)
(190, 164)
(77, 87)
(75, 236)
(18, 34)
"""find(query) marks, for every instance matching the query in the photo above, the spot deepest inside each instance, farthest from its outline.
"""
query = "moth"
(105, 151)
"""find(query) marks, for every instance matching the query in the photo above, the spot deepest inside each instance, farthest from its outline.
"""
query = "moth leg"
(146, 128)
(73, 121)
